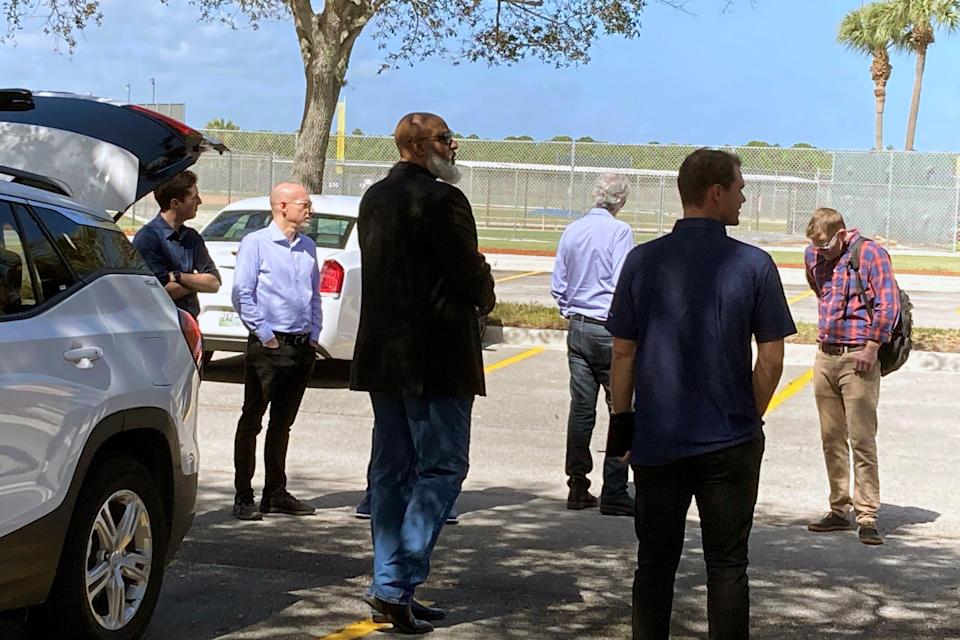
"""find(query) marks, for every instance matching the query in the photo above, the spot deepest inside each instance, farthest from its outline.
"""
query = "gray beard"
(444, 169)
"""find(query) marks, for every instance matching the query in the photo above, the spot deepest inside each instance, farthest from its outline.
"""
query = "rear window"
(327, 230)
(91, 249)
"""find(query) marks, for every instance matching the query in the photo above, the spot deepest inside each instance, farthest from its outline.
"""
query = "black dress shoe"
(420, 611)
(399, 615)
(283, 502)
(245, 509)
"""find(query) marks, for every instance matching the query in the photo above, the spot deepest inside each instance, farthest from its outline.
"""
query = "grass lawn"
(537, 316)
(946, 265)
(546, 241)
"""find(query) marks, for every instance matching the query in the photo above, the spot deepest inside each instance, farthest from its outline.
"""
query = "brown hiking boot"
(831, 522)
(869, 535)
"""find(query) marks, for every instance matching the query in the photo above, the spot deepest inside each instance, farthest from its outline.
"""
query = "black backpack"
(892, 354)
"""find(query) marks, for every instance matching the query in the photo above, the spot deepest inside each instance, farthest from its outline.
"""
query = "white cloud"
(181, 51)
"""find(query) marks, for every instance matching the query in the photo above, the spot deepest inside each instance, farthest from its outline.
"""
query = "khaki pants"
(847, 404)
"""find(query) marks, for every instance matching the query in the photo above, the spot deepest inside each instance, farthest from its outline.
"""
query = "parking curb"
(794, 354)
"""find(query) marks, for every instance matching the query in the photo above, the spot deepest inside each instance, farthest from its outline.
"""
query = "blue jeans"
(589, 353)
(419, 460)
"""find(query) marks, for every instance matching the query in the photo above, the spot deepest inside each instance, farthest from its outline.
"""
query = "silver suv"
(98, 377)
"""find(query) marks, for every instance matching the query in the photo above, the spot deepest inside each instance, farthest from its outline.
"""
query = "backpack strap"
(854, 264)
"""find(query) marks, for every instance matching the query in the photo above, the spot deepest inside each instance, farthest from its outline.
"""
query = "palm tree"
(220, 124)
(864, 31)
(918, 21)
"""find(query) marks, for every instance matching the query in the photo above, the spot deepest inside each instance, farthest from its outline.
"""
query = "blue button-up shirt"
(166, 249)
(276, 284)
(692, 300)
(589, 258)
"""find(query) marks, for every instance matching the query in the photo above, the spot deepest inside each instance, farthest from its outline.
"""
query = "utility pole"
(153, 85)
(128, 93)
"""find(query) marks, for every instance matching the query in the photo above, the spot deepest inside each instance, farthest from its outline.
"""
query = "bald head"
(425, 139)
(413, 128)
(287, 192)
(291, 207)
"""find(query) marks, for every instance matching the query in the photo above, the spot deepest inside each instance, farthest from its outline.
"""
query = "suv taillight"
(173, 123)
(191, 333)
(331, 278)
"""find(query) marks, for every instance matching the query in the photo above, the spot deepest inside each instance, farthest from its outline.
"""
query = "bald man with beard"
(418, 355)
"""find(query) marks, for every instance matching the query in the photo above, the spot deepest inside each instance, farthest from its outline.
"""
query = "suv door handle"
(83, 358)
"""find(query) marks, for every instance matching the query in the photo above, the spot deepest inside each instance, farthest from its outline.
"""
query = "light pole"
(128, 93)
(153, 85)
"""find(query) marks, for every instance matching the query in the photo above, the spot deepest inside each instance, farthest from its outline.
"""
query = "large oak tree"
(558, 32)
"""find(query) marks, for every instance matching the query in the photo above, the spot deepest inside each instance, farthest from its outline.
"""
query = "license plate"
(229, 319)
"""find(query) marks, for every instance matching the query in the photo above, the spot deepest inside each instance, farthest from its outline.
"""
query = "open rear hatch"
(104, 154)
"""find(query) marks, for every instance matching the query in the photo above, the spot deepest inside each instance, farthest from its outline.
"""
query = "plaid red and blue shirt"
(844, 318)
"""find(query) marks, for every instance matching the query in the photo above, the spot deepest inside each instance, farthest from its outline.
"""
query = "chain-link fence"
(526, 189)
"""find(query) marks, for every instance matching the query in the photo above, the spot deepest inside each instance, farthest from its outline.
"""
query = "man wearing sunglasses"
(418, 355)
(846, 378)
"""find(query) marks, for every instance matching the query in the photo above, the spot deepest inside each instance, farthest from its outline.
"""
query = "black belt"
(587, 319)
(839, 349)
(292, 339)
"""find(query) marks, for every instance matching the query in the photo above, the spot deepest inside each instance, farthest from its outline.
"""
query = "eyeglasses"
(446, 138)
(306, 204)
(829, 245)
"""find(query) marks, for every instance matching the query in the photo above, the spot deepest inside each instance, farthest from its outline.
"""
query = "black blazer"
(424, 283)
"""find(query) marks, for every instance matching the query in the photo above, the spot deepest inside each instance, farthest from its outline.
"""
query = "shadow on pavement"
(521, 566)
(327, 374)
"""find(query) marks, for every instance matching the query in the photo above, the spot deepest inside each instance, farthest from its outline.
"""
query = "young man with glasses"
(846, 378)
(276, 291)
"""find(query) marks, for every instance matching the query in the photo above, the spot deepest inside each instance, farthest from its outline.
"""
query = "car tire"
(118, 497)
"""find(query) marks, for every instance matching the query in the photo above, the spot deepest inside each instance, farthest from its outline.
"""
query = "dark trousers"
(589, 353)
(725, 485)
(421, 452)
(278, 378)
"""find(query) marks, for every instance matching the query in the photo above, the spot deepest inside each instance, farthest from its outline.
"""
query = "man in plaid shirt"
(846, 378)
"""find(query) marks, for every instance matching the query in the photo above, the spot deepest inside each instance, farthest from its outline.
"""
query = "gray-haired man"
(589, 258)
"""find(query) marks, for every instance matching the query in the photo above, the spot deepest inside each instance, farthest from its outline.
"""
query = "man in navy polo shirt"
(176, 253)
(683, 314)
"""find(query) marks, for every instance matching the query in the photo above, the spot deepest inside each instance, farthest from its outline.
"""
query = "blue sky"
(769, 70)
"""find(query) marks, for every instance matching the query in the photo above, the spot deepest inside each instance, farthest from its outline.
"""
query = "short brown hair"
(176, 187)
(824, 223)
(701, 170)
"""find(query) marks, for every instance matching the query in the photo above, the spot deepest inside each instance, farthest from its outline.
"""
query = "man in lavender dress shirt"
(276, 292)
(589, 259)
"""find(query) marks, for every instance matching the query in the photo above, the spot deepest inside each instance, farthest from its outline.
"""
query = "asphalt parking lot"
(520, 565)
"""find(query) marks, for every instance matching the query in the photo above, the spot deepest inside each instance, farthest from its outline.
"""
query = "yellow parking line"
(789, 391)
(357, 630)
(799, 297)
(529, 353)
(518, 276)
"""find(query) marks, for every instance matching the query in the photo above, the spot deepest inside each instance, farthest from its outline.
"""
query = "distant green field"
(933, 264)
(547, 240)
